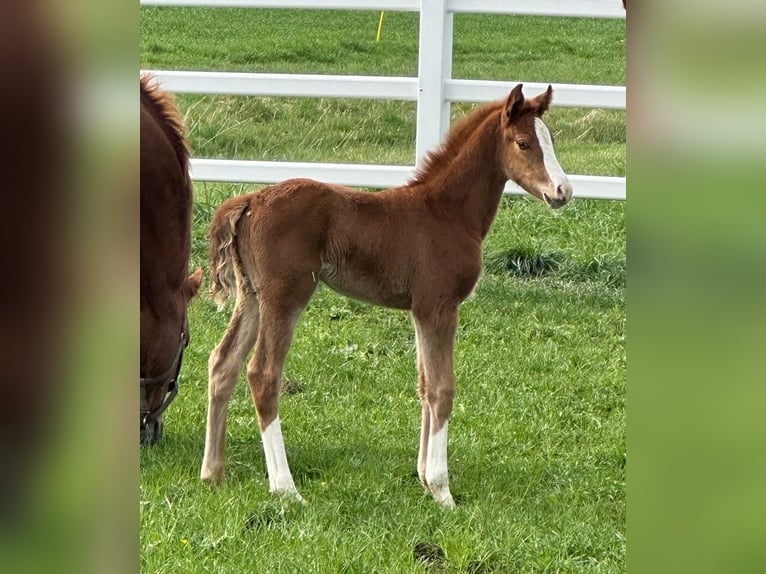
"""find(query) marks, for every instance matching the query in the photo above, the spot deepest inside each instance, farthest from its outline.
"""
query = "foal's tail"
(224, 259)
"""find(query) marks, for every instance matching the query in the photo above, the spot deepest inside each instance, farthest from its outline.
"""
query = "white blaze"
(557, 175)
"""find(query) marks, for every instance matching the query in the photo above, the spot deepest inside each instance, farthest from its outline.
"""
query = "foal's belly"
(370, 289)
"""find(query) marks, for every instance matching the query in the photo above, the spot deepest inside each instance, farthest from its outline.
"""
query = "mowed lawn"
(537, 438)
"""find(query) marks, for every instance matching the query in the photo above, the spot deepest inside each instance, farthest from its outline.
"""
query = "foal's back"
(383, 248)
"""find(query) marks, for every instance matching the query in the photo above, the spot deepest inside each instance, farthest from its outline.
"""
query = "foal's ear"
(542, 102)
(513, 105)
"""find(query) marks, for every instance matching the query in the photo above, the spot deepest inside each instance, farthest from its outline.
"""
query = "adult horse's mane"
(162, 105)
(455, 141)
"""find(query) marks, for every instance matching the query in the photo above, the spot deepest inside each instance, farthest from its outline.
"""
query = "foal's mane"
(454, 141)
(164, 108)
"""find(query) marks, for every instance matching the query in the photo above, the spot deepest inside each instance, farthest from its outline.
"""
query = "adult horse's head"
(158, 391)
(527, 149)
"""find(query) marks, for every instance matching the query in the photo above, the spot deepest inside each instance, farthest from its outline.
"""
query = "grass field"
(537, 438)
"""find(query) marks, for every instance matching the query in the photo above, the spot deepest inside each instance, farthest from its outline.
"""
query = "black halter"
(170, 376)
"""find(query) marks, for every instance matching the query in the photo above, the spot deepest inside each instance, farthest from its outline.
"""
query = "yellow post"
(380, 27)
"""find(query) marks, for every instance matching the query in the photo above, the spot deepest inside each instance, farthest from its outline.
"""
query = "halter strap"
(170, 375)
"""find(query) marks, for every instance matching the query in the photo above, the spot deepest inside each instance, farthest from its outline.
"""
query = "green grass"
(573, 50)
(537, 438)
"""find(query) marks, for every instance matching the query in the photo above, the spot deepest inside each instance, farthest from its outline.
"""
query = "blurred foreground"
(696, 276)
(68, 491)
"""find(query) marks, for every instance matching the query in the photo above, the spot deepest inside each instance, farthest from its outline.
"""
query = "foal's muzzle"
(561, 196)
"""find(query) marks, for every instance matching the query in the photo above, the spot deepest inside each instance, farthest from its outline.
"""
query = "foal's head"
(527, 149)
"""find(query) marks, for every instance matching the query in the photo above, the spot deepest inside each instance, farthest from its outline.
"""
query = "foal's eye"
(522, 144)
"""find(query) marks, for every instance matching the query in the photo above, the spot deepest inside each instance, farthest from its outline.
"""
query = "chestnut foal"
(415, 247)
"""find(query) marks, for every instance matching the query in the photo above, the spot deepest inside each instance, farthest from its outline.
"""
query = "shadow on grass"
(527, 264)
(523, 263)
(433, 558)
(177, 453)
(430, 555)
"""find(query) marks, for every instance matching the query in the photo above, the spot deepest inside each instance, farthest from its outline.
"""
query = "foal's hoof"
(211, 477)
(443, 497)
(152, 433)
(291, 495)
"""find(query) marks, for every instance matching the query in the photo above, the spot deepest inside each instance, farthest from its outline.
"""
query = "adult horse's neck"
(466, 175)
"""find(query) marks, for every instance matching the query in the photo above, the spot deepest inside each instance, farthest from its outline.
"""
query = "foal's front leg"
(436, 339)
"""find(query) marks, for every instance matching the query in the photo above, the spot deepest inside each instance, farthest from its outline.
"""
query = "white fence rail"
(434, 89)
(576, 8)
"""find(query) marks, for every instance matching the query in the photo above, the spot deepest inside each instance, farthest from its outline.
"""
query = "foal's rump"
(278, 226)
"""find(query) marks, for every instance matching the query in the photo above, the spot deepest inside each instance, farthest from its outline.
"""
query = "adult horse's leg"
(436, 330)
(264, 375)
(224, 366)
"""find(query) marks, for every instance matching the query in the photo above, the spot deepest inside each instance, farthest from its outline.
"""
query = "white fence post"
(434, 67)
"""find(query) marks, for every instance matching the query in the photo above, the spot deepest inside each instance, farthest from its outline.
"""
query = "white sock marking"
(436, 467)
(280, 478)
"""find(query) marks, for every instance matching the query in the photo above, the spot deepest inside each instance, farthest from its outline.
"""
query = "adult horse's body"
(166, 203)
(415, 247)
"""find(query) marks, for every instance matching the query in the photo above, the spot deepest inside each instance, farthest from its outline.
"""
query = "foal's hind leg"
(224, 366)
(436, 340)
(264, 375)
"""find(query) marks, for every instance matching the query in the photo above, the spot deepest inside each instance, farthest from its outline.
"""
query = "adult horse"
(417, 247)
(166, 204)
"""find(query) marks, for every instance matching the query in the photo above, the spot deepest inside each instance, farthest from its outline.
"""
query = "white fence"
(434, 89)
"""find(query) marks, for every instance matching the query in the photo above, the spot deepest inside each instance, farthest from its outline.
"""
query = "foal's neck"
(474, 180)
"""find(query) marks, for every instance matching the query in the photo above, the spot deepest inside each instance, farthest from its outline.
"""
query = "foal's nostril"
(563, 192)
